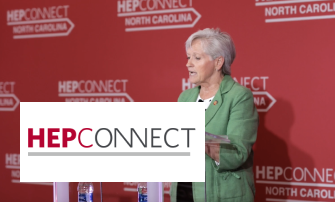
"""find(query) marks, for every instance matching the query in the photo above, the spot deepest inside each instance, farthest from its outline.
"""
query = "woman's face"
(200, 66)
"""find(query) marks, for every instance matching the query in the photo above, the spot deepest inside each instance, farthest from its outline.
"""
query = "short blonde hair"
(215, 43)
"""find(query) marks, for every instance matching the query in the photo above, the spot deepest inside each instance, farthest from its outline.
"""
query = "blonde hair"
(215, 43)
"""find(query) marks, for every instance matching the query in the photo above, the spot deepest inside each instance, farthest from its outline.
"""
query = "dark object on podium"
(184, 192)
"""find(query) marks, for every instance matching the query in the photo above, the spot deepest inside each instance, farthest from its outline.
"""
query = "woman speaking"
(230, 111)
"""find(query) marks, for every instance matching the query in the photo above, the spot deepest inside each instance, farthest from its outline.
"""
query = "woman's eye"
(188, 58)
(197, 58)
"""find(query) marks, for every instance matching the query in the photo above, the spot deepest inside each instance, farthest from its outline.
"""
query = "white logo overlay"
(296, 10)
(42, 22)
(144, 15)
(8, 100)
(123, 141)
(262, 99)
(94, 91)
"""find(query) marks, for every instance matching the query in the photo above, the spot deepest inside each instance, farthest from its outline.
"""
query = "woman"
(230, 110)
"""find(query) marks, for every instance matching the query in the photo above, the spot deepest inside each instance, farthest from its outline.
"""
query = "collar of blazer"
(225, 86)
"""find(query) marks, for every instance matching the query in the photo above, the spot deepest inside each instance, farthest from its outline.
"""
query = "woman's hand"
(212, 149)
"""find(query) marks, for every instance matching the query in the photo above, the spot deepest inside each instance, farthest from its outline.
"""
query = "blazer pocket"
(229, 185)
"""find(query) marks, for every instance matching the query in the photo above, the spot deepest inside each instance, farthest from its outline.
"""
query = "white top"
(207, 102)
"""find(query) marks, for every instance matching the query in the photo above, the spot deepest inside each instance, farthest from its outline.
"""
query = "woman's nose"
(189, 63)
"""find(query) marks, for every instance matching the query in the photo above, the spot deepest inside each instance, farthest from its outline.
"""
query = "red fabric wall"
(56, 51)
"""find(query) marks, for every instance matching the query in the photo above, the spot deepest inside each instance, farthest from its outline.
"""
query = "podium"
(61, 192)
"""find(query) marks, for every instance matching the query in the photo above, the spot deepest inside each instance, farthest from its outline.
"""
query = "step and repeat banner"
(133, 51)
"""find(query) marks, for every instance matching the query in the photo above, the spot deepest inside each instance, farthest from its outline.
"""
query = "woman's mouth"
(192, 73)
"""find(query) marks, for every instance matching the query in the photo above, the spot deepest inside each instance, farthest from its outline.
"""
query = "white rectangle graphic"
(112, 142)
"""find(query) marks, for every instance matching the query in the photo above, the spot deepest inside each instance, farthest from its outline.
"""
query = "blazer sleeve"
(242, 132)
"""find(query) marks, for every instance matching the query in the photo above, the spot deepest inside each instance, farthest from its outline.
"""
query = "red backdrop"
(56, 51)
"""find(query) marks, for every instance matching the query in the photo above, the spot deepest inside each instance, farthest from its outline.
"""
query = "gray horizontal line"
(109, 153)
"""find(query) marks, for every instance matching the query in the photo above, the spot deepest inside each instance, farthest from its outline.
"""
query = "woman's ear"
(219, 61)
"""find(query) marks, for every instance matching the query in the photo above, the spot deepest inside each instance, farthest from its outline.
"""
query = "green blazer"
(234, 115)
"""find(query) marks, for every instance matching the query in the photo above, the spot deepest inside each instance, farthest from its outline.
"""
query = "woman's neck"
(209, 90)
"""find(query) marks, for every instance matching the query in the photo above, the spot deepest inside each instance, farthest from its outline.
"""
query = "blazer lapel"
(193, 97)
(226, 84)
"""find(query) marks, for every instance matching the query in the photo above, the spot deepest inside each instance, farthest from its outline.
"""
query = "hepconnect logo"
(144, 15)
(296, 183)
(13, 164)
(53, 135)
(94, 91)
(257, 84)
(134, 132)
(296, 10)
(50, 21)
(8, 100)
